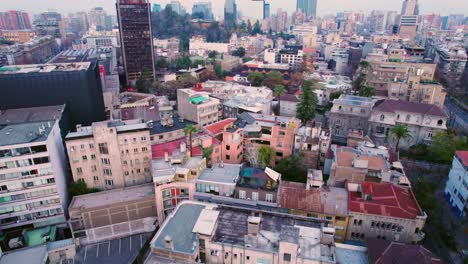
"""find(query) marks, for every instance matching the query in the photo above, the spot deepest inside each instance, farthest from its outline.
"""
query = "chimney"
(168, 244)
(253, 225)
(166, 156)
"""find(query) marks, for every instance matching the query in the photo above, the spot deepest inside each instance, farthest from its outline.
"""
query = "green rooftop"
(9, 69)
(198, 99)
(40, 236)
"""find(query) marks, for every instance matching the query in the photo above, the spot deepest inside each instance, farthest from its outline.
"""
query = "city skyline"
(249, 8)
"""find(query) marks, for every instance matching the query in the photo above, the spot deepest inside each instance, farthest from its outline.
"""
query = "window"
(91, 145)
(105, 161)
(228, 157)
(84, 157)
(107, 172)
(82, 146)
(241, 194)
(93, 157)
(255, 196)
(144, 149)
(143, 138)
(109, 182)
(95, 178)
(382, 117)
(228, 147)
(79, 170)
(287, 257)
(269, 197)
(135, 150)
(440, 122)
(93, 168)
(72, 148)
(103, 148)
(380, 130)
(408, 117)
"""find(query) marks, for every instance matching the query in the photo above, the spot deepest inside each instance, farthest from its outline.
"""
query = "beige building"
(198, 107)
(423, 121)
(110, 154)
(18, 36)
(385, 211)
(415, 90)
(208, 233)
(112, 214)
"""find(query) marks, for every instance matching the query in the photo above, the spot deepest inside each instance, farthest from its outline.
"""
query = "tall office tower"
(308, 7)
(136, 38)
(391, 20)
(230, 11)
(202, 10)
(78, 85)
(97, 18)
(156, 8)
(177, 7)
(33, 167)
(266, 10)
(281, 20)
(409, 19)
(48, 23)
(14, 20)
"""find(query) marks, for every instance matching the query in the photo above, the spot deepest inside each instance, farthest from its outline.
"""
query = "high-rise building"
(97, 18)
(156, 8)
(177, 7)
(202, 10)
(409, 19)
(136, 39)
(230, 11)
(77, 85)
(48, 23)
(308, 7)
(33, 167)
(14, 20)
(266, 10)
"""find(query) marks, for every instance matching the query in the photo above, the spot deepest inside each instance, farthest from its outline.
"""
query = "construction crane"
(265, 5)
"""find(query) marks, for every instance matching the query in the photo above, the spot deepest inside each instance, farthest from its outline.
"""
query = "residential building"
(49, 252)
(385, 211)
(456, 188)
(220, 179)
(349, 112)
(211, 233)
(18, 36)
(76, 84)
(167, 129)
(258, 185)
(451, 63)
(198, 107)
(112, 214)
(97, 39)
(313, 142)
(277, 132)
(228, 62)
(288, 105)
(143, 106)
(97, 18)
(33, 171)
(231, 134)
(49, 23)
(422, 120)
(308, 7)
(110, 154)
(415, 90)
(198, 46)
(36, 50)
(383, 251)
(327, 203)
(409, 19)
(293, 57)
(14, 20)
(174, 179)
(136, 38)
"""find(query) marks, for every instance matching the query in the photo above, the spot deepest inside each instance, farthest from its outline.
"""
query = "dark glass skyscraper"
(136, 38)
(308, 7)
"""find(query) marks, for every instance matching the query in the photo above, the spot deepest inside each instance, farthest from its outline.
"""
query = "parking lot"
(123, 250)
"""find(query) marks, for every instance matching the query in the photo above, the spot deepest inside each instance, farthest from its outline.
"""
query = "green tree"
(307, 104)
(265, 154)
(162, 63)
(400, 131)
(367, 91)
(249, 27)
(279, 91)
(219, 71)
(188, 131)
(255, 78)
(272, 79)
(359, 82)
(257, 28)
(335, 95)
(246, 59)
(240, 52)
(206, 153)
(292, 168)
(79, 188)
(183, 63)
(444, 144)
(212, 54)
(143, 84)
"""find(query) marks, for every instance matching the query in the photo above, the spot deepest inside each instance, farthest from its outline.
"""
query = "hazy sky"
(247, 7)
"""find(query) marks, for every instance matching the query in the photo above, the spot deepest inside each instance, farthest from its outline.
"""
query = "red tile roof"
(463, 156)
(385, 199)
(218, 127)
(389, 252)
(169, 147)
(391, 106)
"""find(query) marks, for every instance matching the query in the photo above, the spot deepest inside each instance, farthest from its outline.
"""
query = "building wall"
(399, 229)
(168, 196)
(202, 114)
(234, 141)
(129, 157)
(456, 187)
(288, 108)
(261, 194)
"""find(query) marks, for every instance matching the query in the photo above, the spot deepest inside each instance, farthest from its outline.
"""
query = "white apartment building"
(292, 57)
(33, 171)
(199, 47)
(198, 107)
(111, 154)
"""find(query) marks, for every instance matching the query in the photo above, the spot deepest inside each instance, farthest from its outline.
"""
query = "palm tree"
(188, 130)
(279, 91)
(400, 131)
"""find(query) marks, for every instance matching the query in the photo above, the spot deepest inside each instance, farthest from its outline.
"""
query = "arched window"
(440, 122)
(382, 117)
